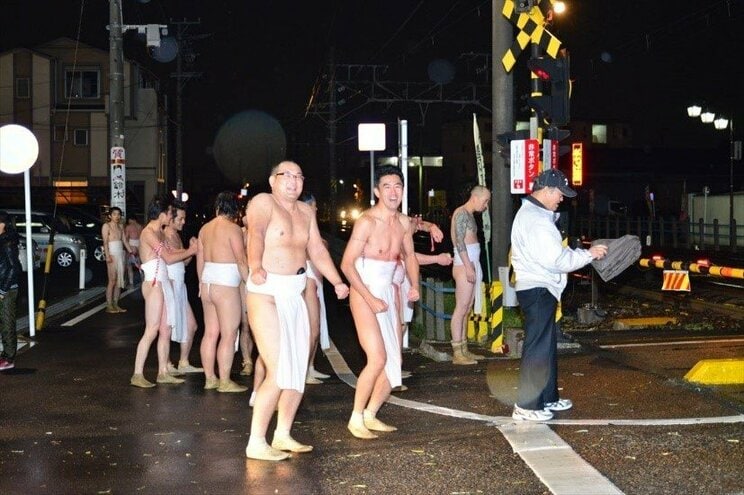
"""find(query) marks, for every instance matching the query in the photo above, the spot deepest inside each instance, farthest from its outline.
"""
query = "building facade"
(59, 90)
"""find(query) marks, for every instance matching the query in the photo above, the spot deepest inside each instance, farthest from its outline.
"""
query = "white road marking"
(672, 343)
(552, 460)
(96, 309)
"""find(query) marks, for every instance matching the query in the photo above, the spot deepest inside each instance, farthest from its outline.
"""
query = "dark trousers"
(538, 372)
(8, 324)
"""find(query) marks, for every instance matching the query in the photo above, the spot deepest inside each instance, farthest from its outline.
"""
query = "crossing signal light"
(554, 107)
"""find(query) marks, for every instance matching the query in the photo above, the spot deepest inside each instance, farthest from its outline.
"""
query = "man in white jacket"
(541, 263)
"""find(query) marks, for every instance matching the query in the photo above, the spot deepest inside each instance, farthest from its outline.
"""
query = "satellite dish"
(167, 50)
(441, 71)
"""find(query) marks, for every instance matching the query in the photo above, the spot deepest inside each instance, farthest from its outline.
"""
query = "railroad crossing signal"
(554, 107)
(528, 17)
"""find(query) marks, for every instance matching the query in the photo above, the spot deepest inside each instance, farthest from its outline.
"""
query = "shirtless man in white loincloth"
(381, 236)
(283, 233)
(157, 292)
(115, 248)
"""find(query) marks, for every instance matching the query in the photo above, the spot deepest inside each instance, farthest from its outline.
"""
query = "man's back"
(221, 241)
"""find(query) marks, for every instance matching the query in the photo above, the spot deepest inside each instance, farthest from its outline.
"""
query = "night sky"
(638, 61)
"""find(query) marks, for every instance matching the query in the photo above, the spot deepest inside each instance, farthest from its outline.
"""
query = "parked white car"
(67, 246)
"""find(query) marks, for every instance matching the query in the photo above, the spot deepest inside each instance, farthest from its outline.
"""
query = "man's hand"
(436, 233)
(258, 276)
(598, 252)
(193, 245)
(342, 290)
(444, 259)
(377, 305)
(413, 294)
(470, 273)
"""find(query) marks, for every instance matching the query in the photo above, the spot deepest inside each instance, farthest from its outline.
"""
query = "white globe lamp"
(19, 149)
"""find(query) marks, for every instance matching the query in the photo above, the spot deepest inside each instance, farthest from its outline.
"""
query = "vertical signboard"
(550, 153)
(525, 164)
(577, 164)
(119, 179)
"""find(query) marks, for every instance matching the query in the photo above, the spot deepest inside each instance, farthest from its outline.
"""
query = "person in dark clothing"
(10, 272)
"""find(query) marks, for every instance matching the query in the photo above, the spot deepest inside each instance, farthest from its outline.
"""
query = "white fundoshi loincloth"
(325, 341)
(134, 243)
(176, 273)
(155, 271)
(226, 274)
(116, 251)
(377, 275)
(294, 326)
(474, 255)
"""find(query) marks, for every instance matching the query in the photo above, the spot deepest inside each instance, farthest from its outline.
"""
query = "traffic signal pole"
(503, 121)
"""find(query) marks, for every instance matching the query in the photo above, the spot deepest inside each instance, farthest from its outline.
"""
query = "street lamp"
(721, 123)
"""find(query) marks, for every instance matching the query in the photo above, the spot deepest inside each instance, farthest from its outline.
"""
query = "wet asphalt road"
(72, 424)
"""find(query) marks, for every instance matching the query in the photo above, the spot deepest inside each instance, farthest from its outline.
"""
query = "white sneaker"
(560, 405)
(531, 414)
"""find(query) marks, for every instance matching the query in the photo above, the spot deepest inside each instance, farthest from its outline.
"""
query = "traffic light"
(554, 107)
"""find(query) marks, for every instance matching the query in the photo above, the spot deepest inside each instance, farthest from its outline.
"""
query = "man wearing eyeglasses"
(282, 234)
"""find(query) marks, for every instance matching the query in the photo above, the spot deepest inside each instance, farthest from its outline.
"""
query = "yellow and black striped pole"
(497, 317)
(478, 322)
(41, 309)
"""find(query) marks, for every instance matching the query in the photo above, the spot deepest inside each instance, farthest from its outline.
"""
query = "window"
(81, 137)
(83, 83)
(23, 87)
(599, 133)
(59, 133)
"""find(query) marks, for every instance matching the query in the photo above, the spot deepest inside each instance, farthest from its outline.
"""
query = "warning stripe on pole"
(677, 280)
(496, 296)
(478, 323)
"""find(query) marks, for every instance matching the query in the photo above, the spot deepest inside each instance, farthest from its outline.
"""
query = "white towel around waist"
(294, 326)
(377, 275)
(474, 255)
(155, 271)
(116, 251)
(176, 273)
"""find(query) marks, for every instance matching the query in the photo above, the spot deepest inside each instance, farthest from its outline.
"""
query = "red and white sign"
(525, 164)
(550, 153)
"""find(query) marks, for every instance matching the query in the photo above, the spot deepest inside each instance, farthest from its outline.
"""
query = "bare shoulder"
(405, 221)
(261, 201)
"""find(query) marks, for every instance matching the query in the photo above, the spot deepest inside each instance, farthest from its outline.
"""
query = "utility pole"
(181, 78)
(503, 121)
(332, 139)
(116, 108)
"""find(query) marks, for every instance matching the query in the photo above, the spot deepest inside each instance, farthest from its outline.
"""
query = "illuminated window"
(599, 133)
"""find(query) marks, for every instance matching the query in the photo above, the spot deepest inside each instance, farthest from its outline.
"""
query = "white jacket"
(538, 256)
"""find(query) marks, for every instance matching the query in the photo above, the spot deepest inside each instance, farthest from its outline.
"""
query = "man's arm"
(321, 258)
(239, 252)
(259, 215)
(460, 226)
(411, 263)
(199, 257)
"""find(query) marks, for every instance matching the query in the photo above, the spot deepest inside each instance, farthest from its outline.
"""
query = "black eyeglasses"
(290, 176)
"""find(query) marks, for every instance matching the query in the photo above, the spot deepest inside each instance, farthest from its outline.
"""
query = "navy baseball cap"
(553, 178)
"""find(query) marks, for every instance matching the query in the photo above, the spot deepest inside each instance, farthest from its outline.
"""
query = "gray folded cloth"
(621, 253)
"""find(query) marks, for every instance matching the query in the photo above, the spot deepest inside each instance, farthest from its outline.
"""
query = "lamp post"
(19, 150)
(721, 123)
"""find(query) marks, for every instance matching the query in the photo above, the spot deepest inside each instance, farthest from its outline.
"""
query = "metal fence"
(664, 232)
